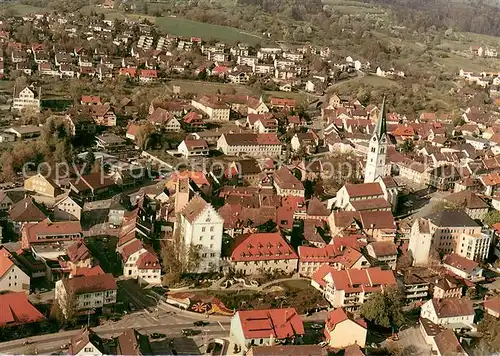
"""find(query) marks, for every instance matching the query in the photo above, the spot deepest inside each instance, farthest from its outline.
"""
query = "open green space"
(21, 9)
(188, 28)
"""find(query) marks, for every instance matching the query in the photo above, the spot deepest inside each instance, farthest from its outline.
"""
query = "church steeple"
(381, 128)
(377, 149)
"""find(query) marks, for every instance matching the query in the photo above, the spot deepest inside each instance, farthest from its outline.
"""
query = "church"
(379, 192)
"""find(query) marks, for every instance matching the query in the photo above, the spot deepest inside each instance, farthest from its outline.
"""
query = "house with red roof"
(342, 330)
(260, 253)
(129, 72)
(193, 121)
(85, 292)
(265, 326)
(342, 255)
(283, 104)
(492, 306)
(140, 262)
(12, 276)
(46, 232)
(148, 75)
(362, 197)
(15, 309)
(452, 313)
(377, 224)
(349, 288)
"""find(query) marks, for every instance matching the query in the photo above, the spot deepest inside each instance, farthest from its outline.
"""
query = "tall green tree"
(385, 308)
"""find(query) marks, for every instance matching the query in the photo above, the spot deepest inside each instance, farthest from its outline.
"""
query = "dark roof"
(452, 307)
(447, 344)
(381, 128)
(26, 210)
(90, 284)
(451, 218)
(288, 350)
(468, 200)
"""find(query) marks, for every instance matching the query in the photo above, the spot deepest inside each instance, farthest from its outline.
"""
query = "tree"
(89, 161)
(385, 308)
(143, 135)
(407, 146)
(64, 309)
(492, 218)
(489, 328)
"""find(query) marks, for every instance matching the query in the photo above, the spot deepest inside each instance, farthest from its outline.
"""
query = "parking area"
(411, 342)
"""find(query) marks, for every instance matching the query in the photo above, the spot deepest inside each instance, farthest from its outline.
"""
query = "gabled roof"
(278, 323)
(194, 208)
(451, 218)
(262, 247)
(448, 344)
(286, 180)
(461, 263)
(6, 261)
(131, 342)
(15, 309)
(493, 304)
(82, 338)
(363, 189)
(78, 251)
(90, 284)
(26, 210)
(337, 316)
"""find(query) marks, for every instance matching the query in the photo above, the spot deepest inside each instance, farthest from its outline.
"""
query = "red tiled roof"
(337, 316)
(384, 248)
(148, 260)
(493, 304)
(283, 102)
(262, 247)
(78, 251)
(366, 279)
(15, 309)
(284, 179)
(5, 260)
(364, 189)
(148, 73)
(459, 262)
(90, 99)
(46, 227)
(130, 249)
(194, 208)
(198, 177)
(452, 307)
(278, 323)
(128, 71)
(88, 271)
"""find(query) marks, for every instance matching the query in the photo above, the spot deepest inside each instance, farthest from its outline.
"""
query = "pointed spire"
(381, 128)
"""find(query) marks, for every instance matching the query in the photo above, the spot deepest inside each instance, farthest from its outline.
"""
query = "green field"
(20, 9)
(187, 28)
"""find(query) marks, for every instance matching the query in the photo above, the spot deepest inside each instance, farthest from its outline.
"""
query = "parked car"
(157, 335)
(190, 332)
(200, 323)
(316, 326)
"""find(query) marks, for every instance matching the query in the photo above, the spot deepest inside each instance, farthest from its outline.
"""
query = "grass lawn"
(21, 9)
(454, 62)
(351, 85)
(188, 28)
(111, 14)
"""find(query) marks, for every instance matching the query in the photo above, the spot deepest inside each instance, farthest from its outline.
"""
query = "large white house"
(26, 98)
(201, 227)
(12, 278)
(86, 343)
(342, 330)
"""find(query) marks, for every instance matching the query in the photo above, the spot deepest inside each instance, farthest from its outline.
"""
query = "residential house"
(350, 288)
(12, 276)
(265, 327)
(47, 232)
(463, 267)
(164, 119)
(261, 253)
(147, 75)
(492, 307)
(215, 108)
(17, 310)
(362, 197)
(415, 287)
(110, 142)
(103, 115)
(190, 148)
(140, 262)
(474, 206)
(286, 184)
(68, 208)
(447, 286)
(383, 251)
(26, 98)
(202, 226)
(307, 141)
(449, 312)
(283, 104)
(91, 186)
(42, 185)
(86, 292)
(85, 343)
(342, 330)
(377, 224)
(23, 212)
(336, 255)
(25, 131)
(132, 342)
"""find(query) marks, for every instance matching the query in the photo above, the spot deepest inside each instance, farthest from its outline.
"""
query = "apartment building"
(448, 231)
(12, 277)
(350, 288)
(26, 98)
(85, 292)
(140, 262)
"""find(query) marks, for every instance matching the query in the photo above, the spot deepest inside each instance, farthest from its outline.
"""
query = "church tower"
(377, 149)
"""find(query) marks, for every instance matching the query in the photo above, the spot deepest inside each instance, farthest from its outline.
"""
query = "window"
(211, 228)
(88, 349)
(203, 229)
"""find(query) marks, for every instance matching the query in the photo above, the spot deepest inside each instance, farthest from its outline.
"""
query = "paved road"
(165, 323)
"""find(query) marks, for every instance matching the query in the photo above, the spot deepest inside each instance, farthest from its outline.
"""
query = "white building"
(448, 231)
(202, 227)
(216, 110)
(377, 150)
(26, 98)
(452, 313)
(86, 343)
(68, 209)
(84, 293)
(253, 145)
(141, 263)
(193, 148)
(12, 277)
(463, 267)
(350, 288)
